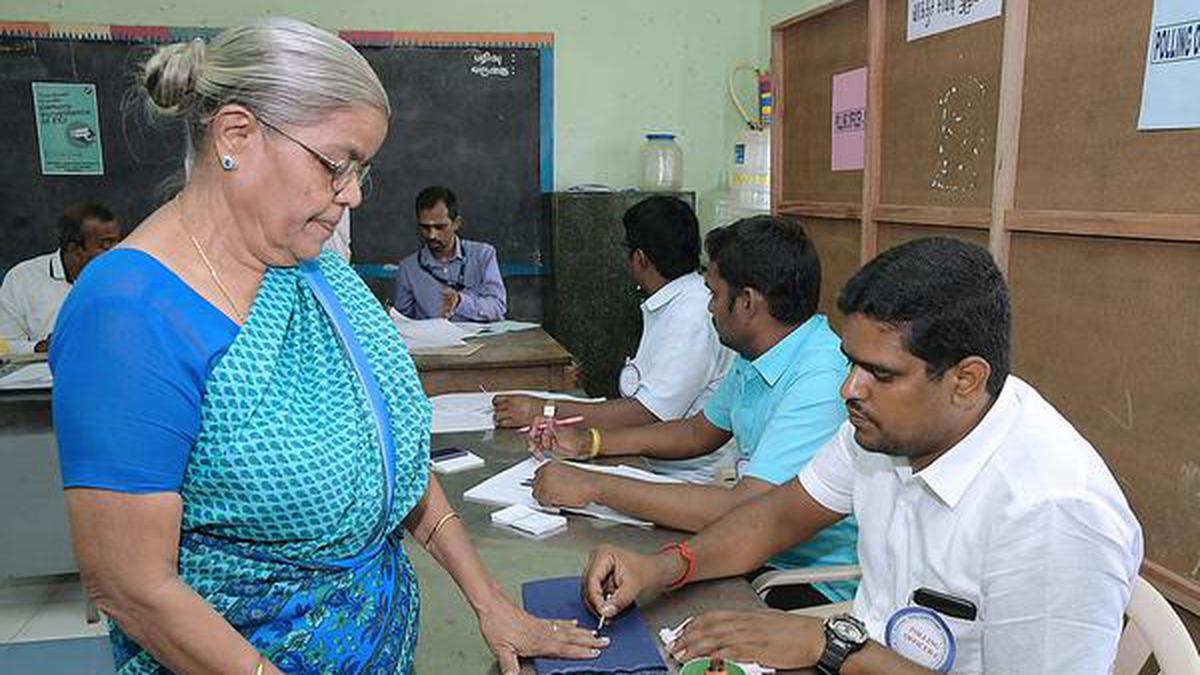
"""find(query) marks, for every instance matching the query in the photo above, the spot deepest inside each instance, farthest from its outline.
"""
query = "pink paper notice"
(849, 119)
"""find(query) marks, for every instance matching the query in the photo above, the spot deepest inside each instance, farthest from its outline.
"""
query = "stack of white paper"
(421, 334)
(496, 327)
(514, 486)
(29, 376)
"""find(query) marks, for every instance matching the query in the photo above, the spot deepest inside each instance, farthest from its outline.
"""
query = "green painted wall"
(622, 67)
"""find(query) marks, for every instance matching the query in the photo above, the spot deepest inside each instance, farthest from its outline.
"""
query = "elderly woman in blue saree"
(242, 434)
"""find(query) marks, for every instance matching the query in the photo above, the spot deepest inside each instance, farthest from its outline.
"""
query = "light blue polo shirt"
(781, 408)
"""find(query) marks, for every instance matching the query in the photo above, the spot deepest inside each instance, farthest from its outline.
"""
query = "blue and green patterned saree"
(313, 447)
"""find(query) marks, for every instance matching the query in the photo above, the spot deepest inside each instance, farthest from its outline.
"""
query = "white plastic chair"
(764, 582)
(1154, 629)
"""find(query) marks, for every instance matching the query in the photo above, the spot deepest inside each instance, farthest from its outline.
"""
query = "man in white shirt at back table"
(680, 361)
(34, 289)
(992, 537)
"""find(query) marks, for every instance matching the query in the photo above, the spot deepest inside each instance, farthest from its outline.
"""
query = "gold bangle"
(437, 527)
(595, 449)
(261, 664)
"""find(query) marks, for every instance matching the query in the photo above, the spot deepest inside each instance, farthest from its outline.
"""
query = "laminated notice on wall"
(68, 128)
(1172, 67)
(849, 120)
(930, 17)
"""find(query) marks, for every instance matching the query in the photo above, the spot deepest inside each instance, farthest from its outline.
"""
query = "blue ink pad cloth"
(631, 648)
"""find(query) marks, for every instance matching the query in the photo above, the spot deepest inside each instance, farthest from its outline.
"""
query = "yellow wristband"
(595, 449)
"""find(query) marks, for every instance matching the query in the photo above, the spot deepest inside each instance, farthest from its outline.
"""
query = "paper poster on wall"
(849, 120)
(930, 17)
(68, 129)
(1172, 67)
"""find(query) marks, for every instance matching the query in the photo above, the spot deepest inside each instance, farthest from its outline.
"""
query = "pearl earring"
(228, 162)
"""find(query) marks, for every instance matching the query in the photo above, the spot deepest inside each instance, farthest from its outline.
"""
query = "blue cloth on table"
(631, 650)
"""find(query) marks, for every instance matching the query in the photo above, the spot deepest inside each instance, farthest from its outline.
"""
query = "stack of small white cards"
(529, 521)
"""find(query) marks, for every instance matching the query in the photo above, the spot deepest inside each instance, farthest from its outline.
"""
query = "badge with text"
(921, 636)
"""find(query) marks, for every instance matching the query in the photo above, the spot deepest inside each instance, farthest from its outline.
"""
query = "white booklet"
(515, 486)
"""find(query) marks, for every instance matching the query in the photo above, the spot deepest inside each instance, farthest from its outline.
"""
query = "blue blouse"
(131, 352)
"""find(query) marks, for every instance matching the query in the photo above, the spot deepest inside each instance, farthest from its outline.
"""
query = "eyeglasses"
(342, 172)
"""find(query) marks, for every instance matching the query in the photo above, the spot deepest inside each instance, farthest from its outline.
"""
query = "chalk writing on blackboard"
(491, 64)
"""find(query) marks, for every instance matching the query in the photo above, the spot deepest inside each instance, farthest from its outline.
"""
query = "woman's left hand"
(511, 633)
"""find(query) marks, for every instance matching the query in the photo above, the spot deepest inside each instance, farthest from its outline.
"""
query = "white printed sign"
(1172, 67)
(930, 17)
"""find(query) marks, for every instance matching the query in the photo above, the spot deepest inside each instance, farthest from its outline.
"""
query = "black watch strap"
(837, 650)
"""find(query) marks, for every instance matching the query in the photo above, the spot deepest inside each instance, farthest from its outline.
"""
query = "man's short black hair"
(434, 194)
(774, 256)
(947, 296)
(666, 230)
(70, 225)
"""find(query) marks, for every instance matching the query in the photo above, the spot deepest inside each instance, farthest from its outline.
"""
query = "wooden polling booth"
(472, 111)
(1020, 133)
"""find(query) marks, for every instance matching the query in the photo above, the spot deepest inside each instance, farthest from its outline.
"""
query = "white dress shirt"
(1021, 517)
(32, 293)
(680, 362)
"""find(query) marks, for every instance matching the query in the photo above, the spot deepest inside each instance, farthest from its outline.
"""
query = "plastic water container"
(750, 176)
(662, 164)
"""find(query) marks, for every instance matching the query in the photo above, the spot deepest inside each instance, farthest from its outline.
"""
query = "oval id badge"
(921, 636)
(630, 379)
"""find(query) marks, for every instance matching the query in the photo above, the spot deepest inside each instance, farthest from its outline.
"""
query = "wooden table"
(527, 359)
(449, 639)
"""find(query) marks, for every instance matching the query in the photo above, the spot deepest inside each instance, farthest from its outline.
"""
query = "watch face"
(848, 629)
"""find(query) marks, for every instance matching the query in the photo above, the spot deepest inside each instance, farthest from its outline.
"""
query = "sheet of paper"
(29, 376)
(496, 328)
(1172, 67)
(472, 411)
(512, 486)
(427, 333)
(849, 133)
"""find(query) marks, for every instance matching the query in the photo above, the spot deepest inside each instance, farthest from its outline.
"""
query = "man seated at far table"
(779, 403)
(680, 360)
(34, 289)
(448, 277)
(992, 536)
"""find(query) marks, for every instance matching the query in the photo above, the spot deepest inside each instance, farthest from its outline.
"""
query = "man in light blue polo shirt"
(779, 402)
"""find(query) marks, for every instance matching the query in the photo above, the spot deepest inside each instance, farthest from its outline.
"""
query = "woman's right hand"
(614, 578)
(515, 410)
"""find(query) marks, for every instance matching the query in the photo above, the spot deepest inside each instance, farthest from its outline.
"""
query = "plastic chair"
(764, 582)
(1154, 629)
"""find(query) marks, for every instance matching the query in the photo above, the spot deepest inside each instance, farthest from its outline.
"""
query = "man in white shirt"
(992, 537)
(34, 289)
(680, 360)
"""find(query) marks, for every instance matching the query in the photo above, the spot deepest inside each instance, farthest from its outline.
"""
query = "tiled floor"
(43, 630)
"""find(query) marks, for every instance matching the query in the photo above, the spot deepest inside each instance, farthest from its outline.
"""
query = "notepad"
(453, 460)
(631, 648)
(514, 486)
(527, 521)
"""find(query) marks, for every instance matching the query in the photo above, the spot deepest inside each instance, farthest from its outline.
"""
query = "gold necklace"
(211, 270)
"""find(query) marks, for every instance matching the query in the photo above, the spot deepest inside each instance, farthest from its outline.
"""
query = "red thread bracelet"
(689, 560)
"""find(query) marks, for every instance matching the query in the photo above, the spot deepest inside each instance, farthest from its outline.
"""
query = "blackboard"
(470, 111)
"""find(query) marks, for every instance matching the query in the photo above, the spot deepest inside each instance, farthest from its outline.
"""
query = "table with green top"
(450, 640)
